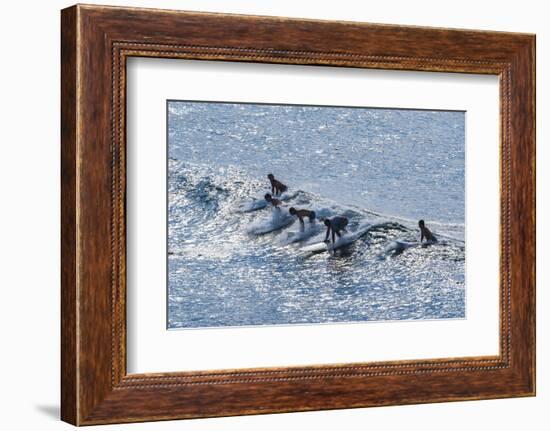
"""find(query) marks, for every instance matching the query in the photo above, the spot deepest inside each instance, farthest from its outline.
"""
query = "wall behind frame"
(29, 215)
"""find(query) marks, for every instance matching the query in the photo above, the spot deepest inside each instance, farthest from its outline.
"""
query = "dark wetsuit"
(277, 187)
(337, 224)
(305, 213)
(275, 202)
(426, 233)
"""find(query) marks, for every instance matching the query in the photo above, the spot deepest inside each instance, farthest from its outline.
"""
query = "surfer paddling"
(426, 233)
(273, 201)
(277, 187)
(335, 225)
(301, 214)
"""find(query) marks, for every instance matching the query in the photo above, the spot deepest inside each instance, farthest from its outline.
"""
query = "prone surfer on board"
(425, 232)
(277, 187)
(335, 225)
(273, 201)
(301, 214)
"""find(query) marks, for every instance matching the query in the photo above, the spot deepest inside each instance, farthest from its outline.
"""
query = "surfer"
(426, 233)
(335, 224)
(301, 214)
(273, 201)
(277, 187)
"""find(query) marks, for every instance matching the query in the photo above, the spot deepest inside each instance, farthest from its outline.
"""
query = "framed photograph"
(264, 214)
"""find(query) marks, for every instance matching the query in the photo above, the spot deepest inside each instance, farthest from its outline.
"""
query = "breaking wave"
(229, 250)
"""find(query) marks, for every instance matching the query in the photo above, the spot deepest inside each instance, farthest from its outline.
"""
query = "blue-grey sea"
(234, 261)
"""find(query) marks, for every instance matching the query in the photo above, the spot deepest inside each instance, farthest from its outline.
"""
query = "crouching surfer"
(301, 214)
(277, 187)
(426, 233)
(335, 225)
(273, 201)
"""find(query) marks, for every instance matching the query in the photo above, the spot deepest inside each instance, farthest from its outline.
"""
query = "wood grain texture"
(96, 41)
(69, 397)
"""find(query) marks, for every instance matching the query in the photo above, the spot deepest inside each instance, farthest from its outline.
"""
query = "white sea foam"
(388, 168)
(278, 219)
(308, 231)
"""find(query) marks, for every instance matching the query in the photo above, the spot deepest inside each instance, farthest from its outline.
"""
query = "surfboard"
(317, 247)
(260, 203)
(309, 231)
(399, 246)
(254, 205)
(343, 241)
(277, 221)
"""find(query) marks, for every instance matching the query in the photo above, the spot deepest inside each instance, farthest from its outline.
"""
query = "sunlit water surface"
(383, 169)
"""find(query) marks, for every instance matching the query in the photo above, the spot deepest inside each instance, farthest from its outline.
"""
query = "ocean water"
(234, 261)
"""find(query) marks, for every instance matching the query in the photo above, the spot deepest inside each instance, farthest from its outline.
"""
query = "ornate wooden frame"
(95, 42)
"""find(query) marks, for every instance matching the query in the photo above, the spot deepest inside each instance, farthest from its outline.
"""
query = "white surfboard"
(309, 230)
(343, 241)
(260, 203)
(278, 220)
(399, 246)
(317, 247)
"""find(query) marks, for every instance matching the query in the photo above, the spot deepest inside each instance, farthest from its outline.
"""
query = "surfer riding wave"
(335, 225)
